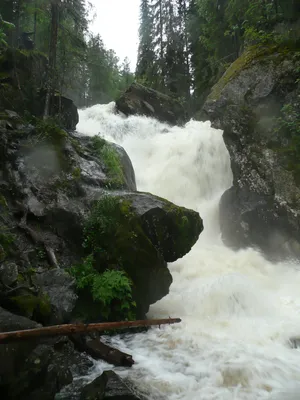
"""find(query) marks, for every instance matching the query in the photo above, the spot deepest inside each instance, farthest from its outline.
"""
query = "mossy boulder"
(256, 103)
(140, 233)
(140, 100)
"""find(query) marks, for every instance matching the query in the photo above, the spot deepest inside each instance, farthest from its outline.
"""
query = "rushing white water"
(238, 310)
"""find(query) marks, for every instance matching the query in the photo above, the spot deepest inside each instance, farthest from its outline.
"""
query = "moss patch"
(31, 306)
(110, 157)
(7, 241)
(116, 245)
(114, 232)
(252, 54)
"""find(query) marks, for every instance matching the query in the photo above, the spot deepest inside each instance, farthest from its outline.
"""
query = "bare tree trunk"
(52, 56)
(186, 55)
(162, 62)
(34, 24)
(17, 23)
(70, 329)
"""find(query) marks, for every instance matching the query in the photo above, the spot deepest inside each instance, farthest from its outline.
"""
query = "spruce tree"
(145, 69)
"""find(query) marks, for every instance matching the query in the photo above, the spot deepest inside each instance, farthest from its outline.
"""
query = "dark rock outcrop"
(12, 355)
(59, 287)
(108, 386)
(140, 100)
(50, 184)
(56, 183)
(257, 105)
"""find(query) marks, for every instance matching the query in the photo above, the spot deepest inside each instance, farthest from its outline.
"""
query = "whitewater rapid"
(238, 310)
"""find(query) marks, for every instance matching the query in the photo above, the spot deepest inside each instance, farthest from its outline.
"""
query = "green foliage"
(7, 240)
(4, 27)
(163, 60)
(49, 128)
(106, 216)
(110, 289)
(84, 69)
(31, 306)
(111, 159)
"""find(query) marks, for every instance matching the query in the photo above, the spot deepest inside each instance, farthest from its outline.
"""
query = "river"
(238, 310)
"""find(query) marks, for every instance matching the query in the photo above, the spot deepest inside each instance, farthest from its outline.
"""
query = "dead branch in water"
(69, 329)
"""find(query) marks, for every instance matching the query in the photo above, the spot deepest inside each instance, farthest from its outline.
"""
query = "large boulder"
(47, 206)
(140, 100)
(257, 105)
(145, 232)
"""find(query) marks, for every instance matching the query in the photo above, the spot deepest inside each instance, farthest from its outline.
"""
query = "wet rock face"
(140, 100)
(256, 103)
(60, 290)
(108, 386)
(50, 183)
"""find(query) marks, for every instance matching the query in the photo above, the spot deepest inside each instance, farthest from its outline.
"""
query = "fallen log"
(69, 329)
(99, 350)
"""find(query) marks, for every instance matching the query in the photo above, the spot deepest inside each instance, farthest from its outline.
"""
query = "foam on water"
(238, 310)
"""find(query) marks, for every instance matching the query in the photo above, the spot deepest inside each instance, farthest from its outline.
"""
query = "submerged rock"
(257, 105)
(140, 100)
(108, 386)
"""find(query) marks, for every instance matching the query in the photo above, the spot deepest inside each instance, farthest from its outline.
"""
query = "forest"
(82, 67)
(184, 45)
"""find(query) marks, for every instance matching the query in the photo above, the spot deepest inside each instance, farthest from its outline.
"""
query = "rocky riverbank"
(257, 105)
(78, 242)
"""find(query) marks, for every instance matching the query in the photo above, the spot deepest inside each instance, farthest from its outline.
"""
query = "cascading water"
(238, 310)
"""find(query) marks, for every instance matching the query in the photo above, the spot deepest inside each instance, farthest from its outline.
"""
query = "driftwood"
(69, 329)
(99, 350)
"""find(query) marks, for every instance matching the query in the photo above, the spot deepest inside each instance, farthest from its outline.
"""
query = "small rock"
(8, 273)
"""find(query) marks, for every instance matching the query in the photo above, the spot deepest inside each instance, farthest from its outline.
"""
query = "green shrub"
(111, 289)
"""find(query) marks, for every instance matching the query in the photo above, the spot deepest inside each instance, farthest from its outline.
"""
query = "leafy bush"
(112, 289)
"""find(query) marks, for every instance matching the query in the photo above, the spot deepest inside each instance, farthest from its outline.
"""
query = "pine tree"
(145, 69)
(160, 12)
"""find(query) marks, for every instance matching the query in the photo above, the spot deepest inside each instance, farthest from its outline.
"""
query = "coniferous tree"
(145, 69)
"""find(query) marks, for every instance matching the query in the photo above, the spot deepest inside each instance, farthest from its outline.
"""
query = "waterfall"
(238, 310)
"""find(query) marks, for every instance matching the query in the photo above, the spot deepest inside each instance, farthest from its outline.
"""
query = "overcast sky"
(117, 22)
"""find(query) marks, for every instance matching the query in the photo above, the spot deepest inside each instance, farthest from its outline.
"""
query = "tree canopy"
(186, 45)
(80, 64)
